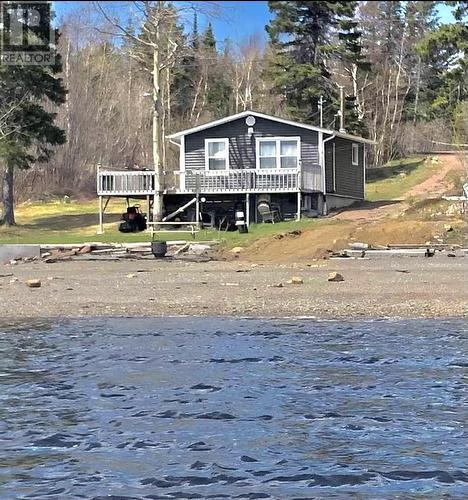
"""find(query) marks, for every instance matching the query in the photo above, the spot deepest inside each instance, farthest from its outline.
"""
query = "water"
(217, 408)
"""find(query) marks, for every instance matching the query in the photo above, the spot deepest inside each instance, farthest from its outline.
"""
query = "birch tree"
(155, 48)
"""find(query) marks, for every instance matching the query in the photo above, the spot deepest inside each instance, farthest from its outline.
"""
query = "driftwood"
(110, 246)
(417, 246)
(111, 251)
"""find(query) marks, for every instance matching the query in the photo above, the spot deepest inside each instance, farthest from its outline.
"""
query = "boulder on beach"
(296, 280)
(33, 283)
(334, 276)
(237, 250)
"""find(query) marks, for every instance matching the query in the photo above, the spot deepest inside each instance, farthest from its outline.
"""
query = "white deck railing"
(241, 180)
(115, 183)
(125, 183)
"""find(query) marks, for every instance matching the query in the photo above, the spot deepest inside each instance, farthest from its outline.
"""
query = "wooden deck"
(287, 180)
(122, 183)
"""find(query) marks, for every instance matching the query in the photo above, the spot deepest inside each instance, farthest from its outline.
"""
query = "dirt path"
(371, 211)
(433, 187)
(437, 184)
(373, 222)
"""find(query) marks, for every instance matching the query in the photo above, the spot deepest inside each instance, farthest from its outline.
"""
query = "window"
(216, 154)
(289, 153)
(278, 152)
(267, 154)
(355, 154)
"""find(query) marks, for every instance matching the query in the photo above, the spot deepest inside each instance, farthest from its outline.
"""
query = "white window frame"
(225, 141)
(278, 140)
(355, 153)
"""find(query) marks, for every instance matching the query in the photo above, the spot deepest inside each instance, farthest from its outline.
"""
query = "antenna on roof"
(341, 112)
(320, 108)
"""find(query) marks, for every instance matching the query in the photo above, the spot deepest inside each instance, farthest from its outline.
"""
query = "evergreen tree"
(421, 18)
(391, 19)
(209, 42)
(445, 51)
(306, 36)
(195, 34)
(28, 130)
(218, 88)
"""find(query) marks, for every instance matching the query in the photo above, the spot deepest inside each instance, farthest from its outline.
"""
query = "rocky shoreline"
(398, 287)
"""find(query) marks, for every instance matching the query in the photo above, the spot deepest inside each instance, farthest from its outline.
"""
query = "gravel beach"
(408, 287)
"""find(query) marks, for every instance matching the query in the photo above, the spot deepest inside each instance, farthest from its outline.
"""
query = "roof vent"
(250, 121)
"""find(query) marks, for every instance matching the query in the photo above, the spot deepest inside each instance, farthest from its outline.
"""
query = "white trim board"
(182, 164)
(236, 116)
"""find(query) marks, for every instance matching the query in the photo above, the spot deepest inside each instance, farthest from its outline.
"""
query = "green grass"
(394, 180)
(456, 181)
(77, 222)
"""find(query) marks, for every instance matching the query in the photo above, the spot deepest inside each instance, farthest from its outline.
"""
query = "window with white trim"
(278, 152)
(216, 154)
(355, 154)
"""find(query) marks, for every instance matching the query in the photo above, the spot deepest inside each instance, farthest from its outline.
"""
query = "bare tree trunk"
(8, 218)
(168, 98)
(129, 87)
(203, 103)
(416, 101)
(158, 197)
(195, 98)
(67, 80)
(165, 111)
(248, 87)
(236, 70)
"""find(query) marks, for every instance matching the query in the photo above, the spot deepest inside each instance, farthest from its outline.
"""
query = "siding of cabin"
(349, 178)
(242, 146)
(329, 183)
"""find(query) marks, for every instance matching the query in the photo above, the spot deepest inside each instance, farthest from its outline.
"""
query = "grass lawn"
(77, 222)
(394, 180)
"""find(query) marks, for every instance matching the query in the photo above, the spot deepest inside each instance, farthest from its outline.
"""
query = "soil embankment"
(375, 223)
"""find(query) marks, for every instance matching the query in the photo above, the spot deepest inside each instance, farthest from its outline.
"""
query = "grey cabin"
(251, 158)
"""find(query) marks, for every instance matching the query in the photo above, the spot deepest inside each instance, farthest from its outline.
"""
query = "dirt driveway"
(371, 211)
(377, 223)
(438, 184)
(435, 186)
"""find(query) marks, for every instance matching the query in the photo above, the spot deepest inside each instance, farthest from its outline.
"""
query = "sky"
(236, 20)
(241, 20)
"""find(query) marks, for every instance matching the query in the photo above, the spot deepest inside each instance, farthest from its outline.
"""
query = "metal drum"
(159, 248)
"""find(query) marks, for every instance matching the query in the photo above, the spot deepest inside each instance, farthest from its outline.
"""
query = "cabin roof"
(246, 113)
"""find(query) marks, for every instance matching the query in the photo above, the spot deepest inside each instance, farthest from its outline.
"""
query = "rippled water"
(216, 408)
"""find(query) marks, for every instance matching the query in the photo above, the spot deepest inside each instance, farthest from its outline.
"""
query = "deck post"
(247, 209)
(256, 210)
(197, 210)
(298, 217)
(101, 214)
(148, 208)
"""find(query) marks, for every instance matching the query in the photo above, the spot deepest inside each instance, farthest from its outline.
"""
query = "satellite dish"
(250, 121)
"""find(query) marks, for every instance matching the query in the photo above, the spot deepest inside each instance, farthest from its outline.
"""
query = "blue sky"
(242, 19)
(237, 20)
